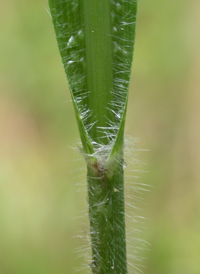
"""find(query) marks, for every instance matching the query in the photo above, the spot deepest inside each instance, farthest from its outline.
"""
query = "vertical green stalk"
(107, 220)
(96, 39)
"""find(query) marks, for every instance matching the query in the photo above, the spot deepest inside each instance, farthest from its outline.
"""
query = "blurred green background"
(39, 171)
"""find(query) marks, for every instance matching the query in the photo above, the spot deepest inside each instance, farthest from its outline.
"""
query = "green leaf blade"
(95, 40)
(68, 26)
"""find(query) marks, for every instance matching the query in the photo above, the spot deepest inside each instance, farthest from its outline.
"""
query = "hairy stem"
(106, 214)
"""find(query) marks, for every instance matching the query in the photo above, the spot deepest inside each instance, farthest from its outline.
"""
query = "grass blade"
(96, 40)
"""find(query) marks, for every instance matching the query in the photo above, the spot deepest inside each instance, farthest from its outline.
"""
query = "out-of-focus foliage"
(39, 204)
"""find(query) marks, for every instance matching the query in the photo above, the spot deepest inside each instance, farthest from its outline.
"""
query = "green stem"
(106, 214)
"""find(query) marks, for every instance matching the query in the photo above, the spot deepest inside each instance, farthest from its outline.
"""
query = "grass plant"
(96, 40)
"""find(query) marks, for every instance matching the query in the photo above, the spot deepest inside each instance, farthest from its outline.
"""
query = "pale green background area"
(42, 179)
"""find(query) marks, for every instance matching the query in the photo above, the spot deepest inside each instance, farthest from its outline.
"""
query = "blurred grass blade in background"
(96, 40)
